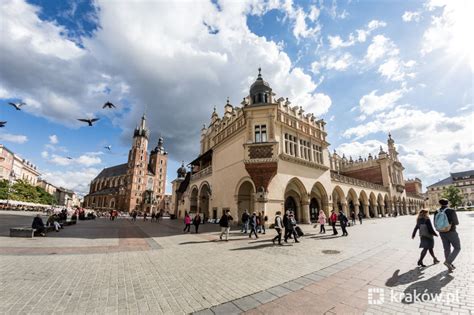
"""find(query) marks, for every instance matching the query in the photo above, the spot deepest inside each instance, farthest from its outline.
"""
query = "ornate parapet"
(293, 159)
(202, 173)
(356, 182)
(415, 196)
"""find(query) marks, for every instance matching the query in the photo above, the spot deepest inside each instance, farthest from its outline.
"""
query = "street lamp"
(11, 178)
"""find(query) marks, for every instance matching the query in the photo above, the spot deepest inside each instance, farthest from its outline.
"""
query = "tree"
(4, 189)
(24, 191)
(454, 196)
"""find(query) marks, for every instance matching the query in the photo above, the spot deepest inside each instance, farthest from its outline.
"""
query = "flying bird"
(89, 121)
(68, 157)
(17, 106)
(108, 105)
(2, 124)
(108, 147)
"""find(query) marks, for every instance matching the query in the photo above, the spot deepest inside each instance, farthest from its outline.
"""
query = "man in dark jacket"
(38, 225)
(343, 222)
(225, 224)
(333, 220)
(245, 222)
(253, 222)
(290, 228)
(451, 237)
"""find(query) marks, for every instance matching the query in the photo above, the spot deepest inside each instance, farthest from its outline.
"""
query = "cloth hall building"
(268, 155)
(138, 184)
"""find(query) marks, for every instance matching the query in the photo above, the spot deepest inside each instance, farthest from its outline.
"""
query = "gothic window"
(260, 133)
(291, 145)
(260, 97)
(305, 150)
(318, 154)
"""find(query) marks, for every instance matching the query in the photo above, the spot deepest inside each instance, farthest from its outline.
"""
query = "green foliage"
(23, 191)
(3, 189)
(453, 194)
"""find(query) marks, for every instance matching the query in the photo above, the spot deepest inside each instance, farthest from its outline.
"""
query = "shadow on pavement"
(427, 290)
(259, 247)
(328, 237)
(404, 278)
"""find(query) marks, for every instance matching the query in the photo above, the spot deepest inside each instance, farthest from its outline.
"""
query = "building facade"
(138, 184)
(268, 155)
(66, 197)
(464, 181)
(48, 187)
(6, 163)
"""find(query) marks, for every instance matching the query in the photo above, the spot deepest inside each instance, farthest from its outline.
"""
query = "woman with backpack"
(426, 233)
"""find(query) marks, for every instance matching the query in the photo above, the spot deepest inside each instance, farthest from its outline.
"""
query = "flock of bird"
(89, 121)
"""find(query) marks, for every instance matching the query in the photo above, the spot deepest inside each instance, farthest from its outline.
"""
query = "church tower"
(157, 168)
(137, 167)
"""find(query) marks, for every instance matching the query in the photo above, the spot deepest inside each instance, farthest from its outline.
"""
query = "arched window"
(260, 97)
(266, 98)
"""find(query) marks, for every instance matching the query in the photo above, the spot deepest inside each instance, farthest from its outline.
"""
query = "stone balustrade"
(202, 173)
(357, 182)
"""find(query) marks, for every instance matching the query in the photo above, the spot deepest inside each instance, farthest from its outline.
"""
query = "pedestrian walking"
(360, 215)
(253, 225)
(333, 220)
(353, 217)
(224, 222)
(445, 221)
(152, 216)
(343, 222)
(426, 232)
(290, 228)
(278, 227)
(145, 215)
(245, 221)
(187, 222)
(259, 222)
(134, 215)
(196, 222)
(322, 221)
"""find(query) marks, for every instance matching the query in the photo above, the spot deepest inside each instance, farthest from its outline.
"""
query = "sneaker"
(436, 261)
(449, 266)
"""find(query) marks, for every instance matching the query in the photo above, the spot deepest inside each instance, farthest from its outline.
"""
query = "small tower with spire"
(392, 151)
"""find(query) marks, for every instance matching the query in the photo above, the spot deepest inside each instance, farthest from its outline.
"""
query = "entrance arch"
(204, 195)
(372, 205)
(318, 201)
(296, 198)
(193, 200)
(245, 198)
(352, 201)
(338, 200)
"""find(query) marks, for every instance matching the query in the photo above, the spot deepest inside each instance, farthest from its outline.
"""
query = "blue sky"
(366, 67)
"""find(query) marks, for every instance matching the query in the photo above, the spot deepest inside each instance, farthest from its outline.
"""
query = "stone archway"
(373, 206)
(296, 200)
(380, 205)
(245, 199)
(318, 201)
(352, 201)
(364, 203)
(193, 207)
(204, 196)
(339, 200)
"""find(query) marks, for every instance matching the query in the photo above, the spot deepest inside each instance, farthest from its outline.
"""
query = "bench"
(22, 232)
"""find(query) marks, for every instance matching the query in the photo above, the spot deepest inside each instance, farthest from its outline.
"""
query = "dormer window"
(260, 133)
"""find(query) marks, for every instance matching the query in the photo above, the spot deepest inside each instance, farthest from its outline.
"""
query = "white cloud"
(372, 103)
(451, 30)
(8, 137)
(332, 62)
(359, 36)
(395, 70)
(380, 47)
(194, 65)
(53, 139)
(77, 180)
(88, 160)
(84, 159)
(409, 16)
(44, 154)
(360, 149)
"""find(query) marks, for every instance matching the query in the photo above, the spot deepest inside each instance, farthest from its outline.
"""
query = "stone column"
(327, 208)
(306, 218)
(345, 208)
(356, 208)
(366, 210)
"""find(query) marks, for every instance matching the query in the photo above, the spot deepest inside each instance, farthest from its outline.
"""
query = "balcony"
(260, 152)
(202, 173)
(356, 182)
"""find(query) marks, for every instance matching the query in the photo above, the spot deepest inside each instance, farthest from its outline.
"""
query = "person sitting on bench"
(38, 225)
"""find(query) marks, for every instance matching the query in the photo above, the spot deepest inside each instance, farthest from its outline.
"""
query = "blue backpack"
(441, 221)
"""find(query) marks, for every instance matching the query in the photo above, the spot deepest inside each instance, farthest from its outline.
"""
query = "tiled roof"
(463, 174)
(450, 180)
(116, 170)
(105, 191)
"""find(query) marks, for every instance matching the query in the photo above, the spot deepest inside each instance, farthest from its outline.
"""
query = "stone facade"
(268, 155)
(6, 163)
(464, 181)
(138, 184)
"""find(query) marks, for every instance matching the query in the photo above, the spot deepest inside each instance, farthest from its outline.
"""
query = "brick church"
(138, 184)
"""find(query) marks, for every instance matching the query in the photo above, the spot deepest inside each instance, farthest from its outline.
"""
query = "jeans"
(253, 230)
(290, 232)
(322, 229)
(334, 231)
(278, 237)
(450, 239)
(245, 227)
(225, 230)
(187, 227)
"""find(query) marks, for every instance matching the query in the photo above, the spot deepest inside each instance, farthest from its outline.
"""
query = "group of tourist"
(196, 221)
(255, 223)
(445, 221)
(154, 217)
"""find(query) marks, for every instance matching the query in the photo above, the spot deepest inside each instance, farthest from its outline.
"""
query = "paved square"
(123, 267)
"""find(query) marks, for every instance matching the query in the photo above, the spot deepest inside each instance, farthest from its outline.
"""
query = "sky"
(366, 67)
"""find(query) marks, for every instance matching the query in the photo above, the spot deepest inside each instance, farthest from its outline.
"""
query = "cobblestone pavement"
(122, 267)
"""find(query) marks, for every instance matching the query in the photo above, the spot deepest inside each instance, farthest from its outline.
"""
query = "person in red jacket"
(333, 220)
